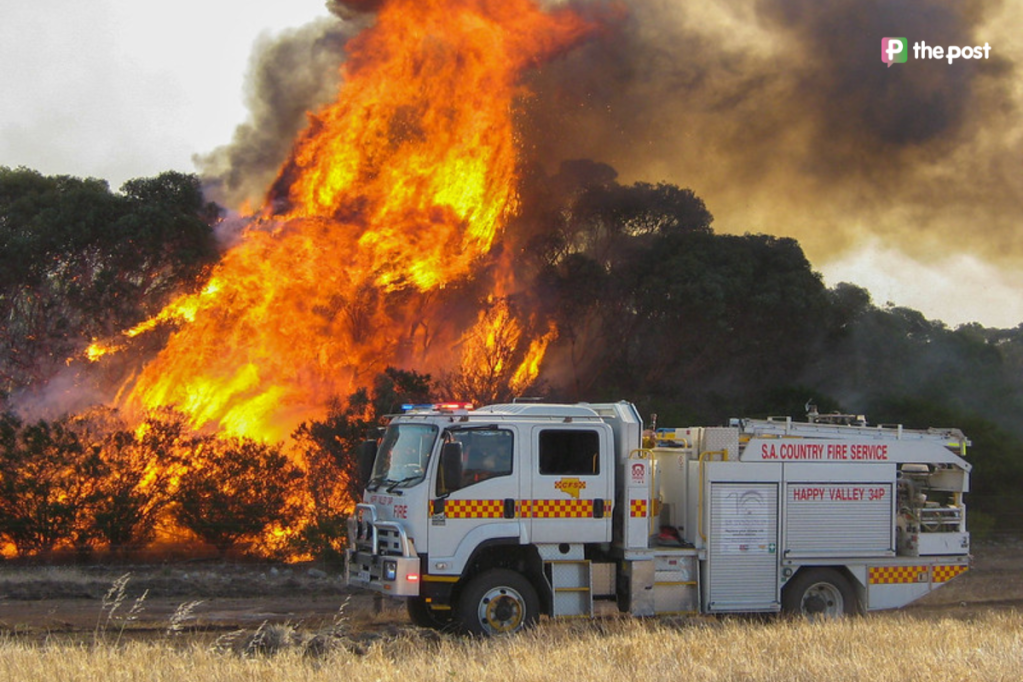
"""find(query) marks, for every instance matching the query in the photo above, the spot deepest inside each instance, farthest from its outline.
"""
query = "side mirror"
(367, 456)
(450, 468)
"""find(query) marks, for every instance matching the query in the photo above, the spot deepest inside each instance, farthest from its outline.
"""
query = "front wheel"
(820, 593)
(498, 602)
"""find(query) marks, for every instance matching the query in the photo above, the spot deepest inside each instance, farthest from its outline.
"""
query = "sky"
(120, 89)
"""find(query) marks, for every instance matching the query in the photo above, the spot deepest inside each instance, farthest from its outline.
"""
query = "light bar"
(408, 407)
(453, 406)
(439, 407)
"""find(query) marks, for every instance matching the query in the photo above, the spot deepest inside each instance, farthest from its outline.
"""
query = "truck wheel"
(498, 602)
(423, 616)
(820, 593)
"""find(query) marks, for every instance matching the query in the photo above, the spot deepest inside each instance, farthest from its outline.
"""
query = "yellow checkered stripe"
(893, 575)
(474, 509)
(559, 509)
(942, 574)
(537, 509)
(637, 509)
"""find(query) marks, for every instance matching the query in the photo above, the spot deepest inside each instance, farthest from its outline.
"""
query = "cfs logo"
(894, 51)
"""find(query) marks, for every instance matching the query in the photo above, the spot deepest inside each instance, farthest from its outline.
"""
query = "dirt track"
(78, 603)
(216, 597)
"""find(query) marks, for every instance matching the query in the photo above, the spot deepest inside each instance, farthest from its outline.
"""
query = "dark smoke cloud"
(289, 75)
(781, 115)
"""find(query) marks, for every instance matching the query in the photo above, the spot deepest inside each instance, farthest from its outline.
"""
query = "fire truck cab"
(486, 519)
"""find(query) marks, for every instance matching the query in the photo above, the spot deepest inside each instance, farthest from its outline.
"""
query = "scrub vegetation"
(650, 305)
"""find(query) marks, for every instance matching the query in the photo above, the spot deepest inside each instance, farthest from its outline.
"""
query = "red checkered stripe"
(474, 509)
(891, 575)
(637, 508)
(943, 574)
(537, 509)
(556, 509)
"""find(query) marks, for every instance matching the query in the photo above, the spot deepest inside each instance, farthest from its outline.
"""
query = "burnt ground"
(210, 599)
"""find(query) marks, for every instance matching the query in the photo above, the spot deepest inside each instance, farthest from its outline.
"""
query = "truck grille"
(389, 542)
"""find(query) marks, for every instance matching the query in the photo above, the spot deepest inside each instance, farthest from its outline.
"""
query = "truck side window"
(486, 454)
(572, 453)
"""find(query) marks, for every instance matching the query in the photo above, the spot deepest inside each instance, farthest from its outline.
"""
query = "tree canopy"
(649, 302)
(78, 262)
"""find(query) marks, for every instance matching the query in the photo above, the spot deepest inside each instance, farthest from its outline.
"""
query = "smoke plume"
(780, 114)
(289, 75)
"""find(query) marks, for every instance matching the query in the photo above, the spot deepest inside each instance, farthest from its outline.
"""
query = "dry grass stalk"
(181, 616)
(110, 606)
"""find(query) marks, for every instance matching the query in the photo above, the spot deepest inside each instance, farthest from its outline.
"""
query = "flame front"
(394, 192)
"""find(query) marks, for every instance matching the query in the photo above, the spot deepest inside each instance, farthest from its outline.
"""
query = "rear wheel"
(420, 613)
(820, 593)
(498, 602)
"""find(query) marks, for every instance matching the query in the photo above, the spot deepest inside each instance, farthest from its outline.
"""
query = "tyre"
(498, 602)
(423, 616)
(820, 593)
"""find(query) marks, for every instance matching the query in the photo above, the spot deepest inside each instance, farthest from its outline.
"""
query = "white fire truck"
(485, 519)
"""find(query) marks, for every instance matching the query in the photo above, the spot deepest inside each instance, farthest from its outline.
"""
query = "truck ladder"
(784, 426)
(571, 583)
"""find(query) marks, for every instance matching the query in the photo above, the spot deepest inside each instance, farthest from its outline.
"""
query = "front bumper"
(381, 557)
(395, 576)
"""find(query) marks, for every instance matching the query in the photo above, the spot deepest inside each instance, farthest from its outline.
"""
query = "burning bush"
(46, 486)
(90, 482)
(238, 489)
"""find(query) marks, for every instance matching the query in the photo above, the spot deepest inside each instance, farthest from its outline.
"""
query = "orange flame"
(394, 192)
(491, 366)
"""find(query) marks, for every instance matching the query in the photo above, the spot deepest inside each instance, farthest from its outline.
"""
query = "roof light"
(438, 407)
(453, 406)
(409, 407)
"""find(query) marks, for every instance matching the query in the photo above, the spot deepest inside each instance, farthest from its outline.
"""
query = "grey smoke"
(781, 115)
(289, 75)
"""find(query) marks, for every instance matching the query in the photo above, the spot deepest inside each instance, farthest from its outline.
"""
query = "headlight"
(390, 570)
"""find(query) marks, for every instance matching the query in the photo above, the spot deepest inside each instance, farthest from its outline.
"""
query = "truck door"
(741, 503)
(570, 494)
(483, 504)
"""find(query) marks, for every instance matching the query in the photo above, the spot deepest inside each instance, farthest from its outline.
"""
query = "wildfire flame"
(393, 193)
(490, 363)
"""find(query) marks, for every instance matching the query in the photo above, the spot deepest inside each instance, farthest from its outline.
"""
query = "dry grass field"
(970, 630)
(989, 647)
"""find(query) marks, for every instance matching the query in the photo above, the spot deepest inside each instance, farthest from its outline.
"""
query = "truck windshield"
(403, 456)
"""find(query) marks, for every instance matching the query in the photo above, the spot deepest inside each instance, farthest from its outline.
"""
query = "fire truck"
(485, 519)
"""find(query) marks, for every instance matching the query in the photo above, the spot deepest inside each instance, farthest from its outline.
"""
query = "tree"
(329, 449)
(136, 473)
(237, 489)
(496, 356)
(649, 301)
(47, 485)
(78, 262)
